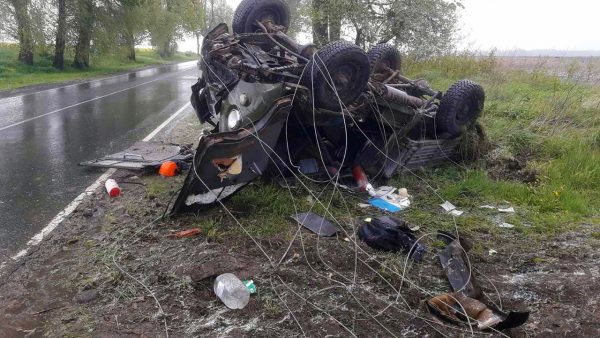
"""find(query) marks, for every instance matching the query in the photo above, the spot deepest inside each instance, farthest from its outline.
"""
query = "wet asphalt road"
(45, 134)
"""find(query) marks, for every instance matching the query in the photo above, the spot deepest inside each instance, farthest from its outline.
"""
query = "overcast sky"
(520, 24)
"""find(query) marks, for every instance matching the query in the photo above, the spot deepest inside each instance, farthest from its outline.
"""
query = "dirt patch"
(511, 168)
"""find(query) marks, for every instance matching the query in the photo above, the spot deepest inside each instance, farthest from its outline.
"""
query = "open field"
(577, 69)
(14, 74)
(112, 269)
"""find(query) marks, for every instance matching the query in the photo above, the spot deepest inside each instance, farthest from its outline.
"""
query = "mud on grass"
(104, 272)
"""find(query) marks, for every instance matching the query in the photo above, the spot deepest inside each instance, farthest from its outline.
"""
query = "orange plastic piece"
(186, 233)
(168, 169)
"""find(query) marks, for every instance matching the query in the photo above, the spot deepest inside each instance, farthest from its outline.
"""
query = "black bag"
(391, 234)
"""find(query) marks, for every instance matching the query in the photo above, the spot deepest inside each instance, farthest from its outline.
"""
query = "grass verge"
(14, 74)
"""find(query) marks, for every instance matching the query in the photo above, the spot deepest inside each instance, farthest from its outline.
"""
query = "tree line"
(420, 27)
(82, 27)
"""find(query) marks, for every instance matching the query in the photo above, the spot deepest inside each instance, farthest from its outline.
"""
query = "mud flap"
(225, 162)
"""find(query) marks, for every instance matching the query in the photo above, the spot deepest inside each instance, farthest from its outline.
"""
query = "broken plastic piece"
(455, 307)
(451, 209)
(509, 209)
(459, 273)
(186, 233)
(506, 225)
(391, 234)
(315, 223)
(383, 204)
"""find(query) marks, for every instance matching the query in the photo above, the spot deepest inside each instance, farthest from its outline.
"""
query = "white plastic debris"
(363, 205)
(456, 212)
(451, 209)
(448, 206)
(487, 207)
(492, 252)
(506, 225)
(509, 209)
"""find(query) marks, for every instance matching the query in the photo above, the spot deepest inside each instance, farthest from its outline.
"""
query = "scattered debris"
(506, 225)
(507, 209)
(451, 209)
(112, 188)
(466, 303)
(384, 198)
(316, 224)
(391, 234)
(186, 233)
(492, 252)
(231, 291)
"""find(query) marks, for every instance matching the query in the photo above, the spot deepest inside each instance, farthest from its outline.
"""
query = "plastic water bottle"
(232, 291)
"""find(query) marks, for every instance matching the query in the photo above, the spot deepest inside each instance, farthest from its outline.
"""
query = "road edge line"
(68, 210)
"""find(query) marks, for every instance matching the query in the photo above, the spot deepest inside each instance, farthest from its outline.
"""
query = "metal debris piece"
(142, 156)
(316, 224)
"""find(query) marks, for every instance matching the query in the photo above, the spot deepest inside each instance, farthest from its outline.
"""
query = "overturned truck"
(281, 109)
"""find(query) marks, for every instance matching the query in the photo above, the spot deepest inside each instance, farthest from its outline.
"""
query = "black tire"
(249, 11)
(383, 56)
(344, 63)
(461, 105)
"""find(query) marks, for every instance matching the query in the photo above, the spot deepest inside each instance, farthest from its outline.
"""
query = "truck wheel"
(339, 69)
(383, 56)
(461, 105)
(249, 11)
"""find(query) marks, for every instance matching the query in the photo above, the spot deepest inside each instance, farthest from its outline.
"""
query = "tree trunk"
(85, 20)
(24, 30)
(197, 42)
(319, 23)
(59, 46)
(130, 46)
(335, 24)
(360, 38)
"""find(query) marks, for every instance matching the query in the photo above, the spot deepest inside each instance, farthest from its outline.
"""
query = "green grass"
(555, 124)
(14, 74)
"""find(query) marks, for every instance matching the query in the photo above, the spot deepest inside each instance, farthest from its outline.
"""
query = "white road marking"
(62, 215)
(90, 100)
(100, 79)
(164, 124)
